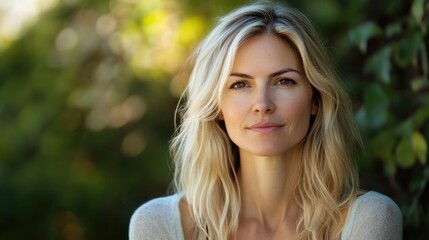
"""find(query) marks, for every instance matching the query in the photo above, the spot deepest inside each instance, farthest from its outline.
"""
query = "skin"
(266, 105)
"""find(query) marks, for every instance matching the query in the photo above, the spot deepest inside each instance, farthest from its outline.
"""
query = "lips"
(265, 127)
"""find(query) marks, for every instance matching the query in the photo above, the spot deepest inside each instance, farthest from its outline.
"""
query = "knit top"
(373, 216)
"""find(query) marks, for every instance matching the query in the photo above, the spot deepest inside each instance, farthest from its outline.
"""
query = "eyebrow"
(274, 74)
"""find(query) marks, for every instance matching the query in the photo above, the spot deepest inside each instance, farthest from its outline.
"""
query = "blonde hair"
(206, 160)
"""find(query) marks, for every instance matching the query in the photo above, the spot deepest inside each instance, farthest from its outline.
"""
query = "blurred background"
(88, 90)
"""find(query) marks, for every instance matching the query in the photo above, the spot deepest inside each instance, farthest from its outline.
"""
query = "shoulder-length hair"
(205, 158)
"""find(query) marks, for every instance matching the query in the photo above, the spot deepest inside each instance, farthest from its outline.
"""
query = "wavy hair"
(206, 160)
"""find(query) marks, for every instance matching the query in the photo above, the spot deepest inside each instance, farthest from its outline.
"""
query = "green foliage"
(394, 117)
(361, 34)
(87, 99)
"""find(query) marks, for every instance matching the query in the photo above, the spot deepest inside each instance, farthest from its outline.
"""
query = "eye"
(238, 84)
(286, 82)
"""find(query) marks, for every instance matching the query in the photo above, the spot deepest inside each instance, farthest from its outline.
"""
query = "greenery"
(88, 90)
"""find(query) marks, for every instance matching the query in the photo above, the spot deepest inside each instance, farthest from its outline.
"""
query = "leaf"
(382, 144)
(404, 154)
(417, 10)
(361, 118)
(405, 128)
(421, 115)
(406, 51)
(418, 84)
(393, 29)
(379, 64)
(420, 146)
(390, 168)
(376, 104)
(362, 33)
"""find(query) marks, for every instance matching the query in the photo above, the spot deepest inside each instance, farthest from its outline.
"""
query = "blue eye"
(238, 85)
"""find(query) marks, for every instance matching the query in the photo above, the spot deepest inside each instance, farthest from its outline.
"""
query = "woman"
(264, 150)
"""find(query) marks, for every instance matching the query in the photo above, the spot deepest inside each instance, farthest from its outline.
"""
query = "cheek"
(232, 115)
(304, 102)
(299, 112)
(231, 118)
(230, 108)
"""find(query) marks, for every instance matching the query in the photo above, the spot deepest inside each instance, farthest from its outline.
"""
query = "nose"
(263, 101)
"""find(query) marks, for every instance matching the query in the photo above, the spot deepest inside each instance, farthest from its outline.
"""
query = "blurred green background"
(88, 90)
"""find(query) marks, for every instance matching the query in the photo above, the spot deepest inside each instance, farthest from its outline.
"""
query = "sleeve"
(376, 217)
(150, 221)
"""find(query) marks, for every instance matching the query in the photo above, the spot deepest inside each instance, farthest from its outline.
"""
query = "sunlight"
(17, 16)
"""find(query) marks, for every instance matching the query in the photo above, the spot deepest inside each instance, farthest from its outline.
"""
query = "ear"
(314, 107)
(219, 117)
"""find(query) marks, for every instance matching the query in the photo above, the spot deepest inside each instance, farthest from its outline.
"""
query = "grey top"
(373, 216)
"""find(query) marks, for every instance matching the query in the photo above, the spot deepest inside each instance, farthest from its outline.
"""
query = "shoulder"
(373, 216)
(157, 219)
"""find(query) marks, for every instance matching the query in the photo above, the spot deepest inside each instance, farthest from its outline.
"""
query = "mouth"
(265, 127)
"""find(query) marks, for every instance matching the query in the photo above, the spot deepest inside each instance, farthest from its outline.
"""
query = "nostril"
(264, 108)
(263, 102)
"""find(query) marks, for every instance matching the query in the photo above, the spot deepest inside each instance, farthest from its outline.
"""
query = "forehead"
(266, 51)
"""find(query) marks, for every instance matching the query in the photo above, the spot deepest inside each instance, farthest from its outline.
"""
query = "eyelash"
(236, 83)
(288, 81)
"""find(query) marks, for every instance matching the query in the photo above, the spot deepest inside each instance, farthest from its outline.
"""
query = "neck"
(267, 185)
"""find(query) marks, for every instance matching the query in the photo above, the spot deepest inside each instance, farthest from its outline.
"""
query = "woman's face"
(267, 101)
